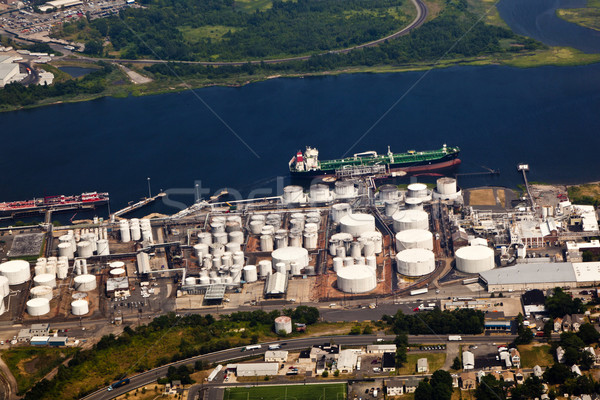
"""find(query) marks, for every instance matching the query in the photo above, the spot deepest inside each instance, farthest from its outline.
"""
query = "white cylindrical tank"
(102, 247)
(281, 268)
(236, 237)
(388, 192)
(355, 224)
(62, 271)
(85, 283)
(310, 240)
(250, 274)
(233, 226)
(474, 259)
(41, 291)
(355, 249)
(414, 239)
(205, 238)
(190, 281)
(295, 268)
(117, 272)
(293, 194)
(265, 268)
(338, 263)
(80, 307)
(281, 240)
(217, 227)
(239, 258)
(220, 237)
(134, 226)
(39, 269)
(117, 264)
(446, 186)
(319, 193)
(345, 190)
(4, 289)
(44, 280)
(340, 210)
(418, 190)
(410, 219)
(283, 323)
(124, 230)
(217, 249)
(414, 203)
(65, 250)
(348, 261)
(266, 243)
(232, 247)
(38, 306)
(288, 254)
(376, 238)
(200, 250)
(369, 248)
(415, 262)
(356, 279)
(311, 227)
(371, 262)
(256, 227)
(391, 206)
(17, 271)
(84, 249)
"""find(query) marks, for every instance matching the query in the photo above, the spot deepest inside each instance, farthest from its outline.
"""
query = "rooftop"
(530, 273)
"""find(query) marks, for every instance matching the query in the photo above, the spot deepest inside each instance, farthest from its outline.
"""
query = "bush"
(325, 374)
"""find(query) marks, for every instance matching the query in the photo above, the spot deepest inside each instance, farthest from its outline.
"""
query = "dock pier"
(138, 205)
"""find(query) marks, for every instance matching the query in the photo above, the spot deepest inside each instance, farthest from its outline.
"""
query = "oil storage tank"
(45, 280)
(410, 219)
(283, 323)
(355, 224)
(17, 271)
(41, 291)
(414, 239)
(415, 262)
(4, 289)
(474, 259)
(290, 254)
(38, 306)
(80, 307)
(85, 283)
(356, 279)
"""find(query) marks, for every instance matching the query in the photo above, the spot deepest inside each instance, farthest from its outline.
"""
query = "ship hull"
(443, 164)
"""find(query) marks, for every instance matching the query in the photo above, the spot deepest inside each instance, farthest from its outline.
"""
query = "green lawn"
(333, 391)
(213, 32)
(436, 361)
(535, 355)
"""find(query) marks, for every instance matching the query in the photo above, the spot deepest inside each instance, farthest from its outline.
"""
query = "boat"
(308, 165)
(55, 203)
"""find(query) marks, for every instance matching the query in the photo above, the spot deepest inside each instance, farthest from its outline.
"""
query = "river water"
(499, 116)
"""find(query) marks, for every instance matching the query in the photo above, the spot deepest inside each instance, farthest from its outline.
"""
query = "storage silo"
(355, 224)
(289, 254)
(391, 206)
(375, 237)
(45, 280)
(310, 240)
(340, 210)
(266, 243)
(134, 226)
(414, 239)
(17, 271)
(62, 270)
(84, 283)
(80, 307)
(418, 190)
(345, 190)
(4, 289)
(474, 259)
(102, 247)
(65, 250)
(236, 237)
(319, 193)
(205, 238)
(84, 249)
(410, 219)
(265, 268)
(293, 194)
(250, 274)
(356, 279)
(38, 307)
(414, 203)
(220, 237)
(200, 249)
(124, 230)
(388, 192)
(415, 262)
(283, 323)
(446, 186)
(44, 292)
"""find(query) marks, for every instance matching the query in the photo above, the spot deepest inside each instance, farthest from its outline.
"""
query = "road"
(223, 356)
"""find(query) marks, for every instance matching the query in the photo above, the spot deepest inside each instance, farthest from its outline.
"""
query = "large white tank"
(418, 190)
(80, 307)
(283, 323)
(266, 243)
(345, 190)
(356, 224)
(39, 269)
(84, 249)
(41, 291)
(190, 281)
(256, 226)
(62, 270)
(446, 186)
(37, 307)
(4, 289)
(338, 263)
(65, 250)
(414, 239)
(295, 268)
(474, 259)
(356, 279)
(310, 240)
(117, 264)
(102, 247)
(17, 271)
(415, 262)
(388, 192)
(265, 268)
(293, 194)
(124, 229)
(391, 206)
(340, 210)
(205, 238)
(85, 283)
(134, 226)
(410, 219)
(232, 247)
(117, 272)
(250, 274)
(44, 280)
(236, 237)
(220, 237)
(319, 193)
(217, 249)
(289, 254)
(200, 250)
(414, 203)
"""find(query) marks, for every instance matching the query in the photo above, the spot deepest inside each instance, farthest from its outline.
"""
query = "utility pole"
(149, 191)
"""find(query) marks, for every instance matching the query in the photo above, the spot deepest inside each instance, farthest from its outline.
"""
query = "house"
(24, 335)
(515, 357)
(557, 324)
(468, 380)
(394, 387)
(519, 377)
(381, 348)
(388, 362)
(575, 369)
(566, 323)
(507, 376)
(468, 360)
(278, 356)
(410, 385)
(422, 366)
(454, 380)
(347, 361)
(576, 321)
(534, 302)
(39, 329)
(537, 371)
(321, 364)
(560, 354)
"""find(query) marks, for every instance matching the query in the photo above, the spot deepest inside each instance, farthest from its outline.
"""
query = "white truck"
(454, 338)
(418, 291)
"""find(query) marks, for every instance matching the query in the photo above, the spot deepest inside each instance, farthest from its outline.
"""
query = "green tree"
(355, 330)
(557, 374)
(562, 303)
(424, 391)
(456, 364)
(588, 333)
(325, 374)
(490, 389)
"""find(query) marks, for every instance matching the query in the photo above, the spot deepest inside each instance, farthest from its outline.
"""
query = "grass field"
(213, 32)
(436, 361)
(585, 194)
(532, 355)
(588, 16)
(333, 391)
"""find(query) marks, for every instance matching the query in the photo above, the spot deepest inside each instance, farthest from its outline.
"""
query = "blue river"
(498, 116)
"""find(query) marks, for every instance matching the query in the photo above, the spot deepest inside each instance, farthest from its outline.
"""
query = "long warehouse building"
(541, 276)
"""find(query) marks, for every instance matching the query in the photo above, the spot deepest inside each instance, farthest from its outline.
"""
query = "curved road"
(151, 376)
(417, 22)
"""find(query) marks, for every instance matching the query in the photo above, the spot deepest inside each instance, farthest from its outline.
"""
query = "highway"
(224, 356)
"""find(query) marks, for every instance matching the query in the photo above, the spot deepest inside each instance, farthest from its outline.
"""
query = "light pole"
(197, 194)
(149, 191)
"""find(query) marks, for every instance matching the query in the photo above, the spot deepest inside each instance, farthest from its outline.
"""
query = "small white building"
(381, 348)
(394, 387)
(278, 356)
(254, 369)
(7, 72)
(347, 360)
(468, 359)
(422, 366)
